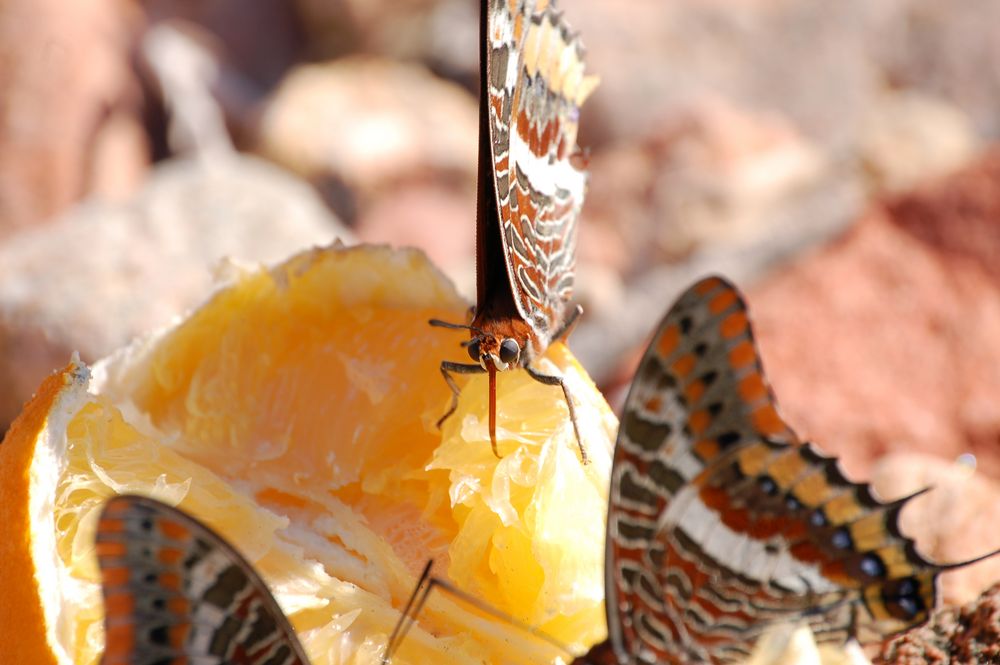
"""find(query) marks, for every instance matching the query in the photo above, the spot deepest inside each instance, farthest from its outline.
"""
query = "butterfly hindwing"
(175, 591)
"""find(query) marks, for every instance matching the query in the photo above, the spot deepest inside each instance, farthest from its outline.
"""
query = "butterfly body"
(530, 193)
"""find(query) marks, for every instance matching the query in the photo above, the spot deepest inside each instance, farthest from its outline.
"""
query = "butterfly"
(530, 194)
(722, 523)
(176, 592)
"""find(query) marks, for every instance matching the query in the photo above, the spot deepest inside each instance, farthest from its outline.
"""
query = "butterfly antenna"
(414, 605)
(409, 615)
(497, 614)
(438, 323)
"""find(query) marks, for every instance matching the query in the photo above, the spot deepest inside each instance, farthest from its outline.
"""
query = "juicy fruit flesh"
(294, 413)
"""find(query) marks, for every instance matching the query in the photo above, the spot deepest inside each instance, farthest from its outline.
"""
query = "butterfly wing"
(173, 589)
(533, 88)
(721, 523)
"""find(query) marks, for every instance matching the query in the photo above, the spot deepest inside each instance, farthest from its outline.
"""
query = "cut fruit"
(294, 413)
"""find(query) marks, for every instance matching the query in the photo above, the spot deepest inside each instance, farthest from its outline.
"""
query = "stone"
(105, 273)
(910, 137)
(368, 125)
(70, 122)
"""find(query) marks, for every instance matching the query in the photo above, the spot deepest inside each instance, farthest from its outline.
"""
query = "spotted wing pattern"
(175, 592)
(722, 523)
(534, 86)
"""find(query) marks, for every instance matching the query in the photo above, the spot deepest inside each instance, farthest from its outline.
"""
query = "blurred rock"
(959, 216)
(105, 273)
(443, 34)
(947, 521)
(803, 61)
(439, 220)
(954, 636)
(886, 339)
(908, 138)
(364, 126)
(947, 49)
(710, 175)
(822, 65)
(261, 39)
(716, 189)
(69, 119)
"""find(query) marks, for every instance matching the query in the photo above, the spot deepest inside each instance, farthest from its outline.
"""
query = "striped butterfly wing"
(175, 592)
(533, 86)
(722, 523)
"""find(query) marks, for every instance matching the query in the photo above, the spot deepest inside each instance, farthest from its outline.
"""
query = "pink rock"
(94, 279)
(371, 124)
(69, 120)
(886, 339)
(439, 220)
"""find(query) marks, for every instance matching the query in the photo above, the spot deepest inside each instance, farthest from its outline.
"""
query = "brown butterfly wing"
(532, 90)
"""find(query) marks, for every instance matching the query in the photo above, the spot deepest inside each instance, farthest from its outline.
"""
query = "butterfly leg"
(568, 324)
(555, 380)
(447, 368)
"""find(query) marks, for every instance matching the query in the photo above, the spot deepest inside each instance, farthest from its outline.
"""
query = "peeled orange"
(294, 413)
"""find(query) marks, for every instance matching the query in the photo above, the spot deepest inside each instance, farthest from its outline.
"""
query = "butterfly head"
(501, 344)
(490, 350)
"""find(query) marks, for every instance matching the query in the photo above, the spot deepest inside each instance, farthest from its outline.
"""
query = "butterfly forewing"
(174, 591)
(533, 88)
(722, 524)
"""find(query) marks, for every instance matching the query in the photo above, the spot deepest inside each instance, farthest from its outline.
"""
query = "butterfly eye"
(473, 349)
(509, 351)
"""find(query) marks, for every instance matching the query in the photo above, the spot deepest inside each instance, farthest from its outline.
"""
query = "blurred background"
(838, 160)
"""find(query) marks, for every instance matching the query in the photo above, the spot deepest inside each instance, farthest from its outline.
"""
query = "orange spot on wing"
(178, 634)
(694, 391)
(179, 605)
(174, 530)
(119, 641)
(683, 366)
(699, 421)
(767, 421)
(170, 581)
(737, 519)
(733, 325)
(837, 573)
(706, 448)
(111, 525)
(742, 354)
(668, 340)
(706, 286)
(752, 388)
(722, 302)
(115, 576)
(119, 604)
(653, 404)
(169, 555)
(806, 552)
